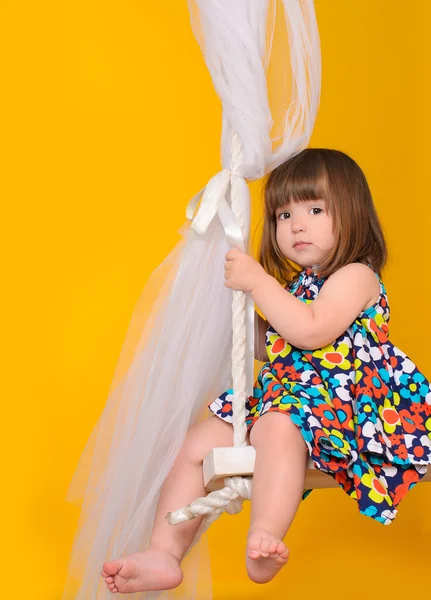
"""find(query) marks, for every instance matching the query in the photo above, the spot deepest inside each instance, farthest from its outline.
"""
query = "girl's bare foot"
(143, 571)
(266, 554)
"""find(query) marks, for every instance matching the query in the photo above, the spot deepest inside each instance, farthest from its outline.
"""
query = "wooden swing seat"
(231, 461)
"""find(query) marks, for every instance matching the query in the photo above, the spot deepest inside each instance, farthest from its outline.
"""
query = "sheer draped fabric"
(265, 66)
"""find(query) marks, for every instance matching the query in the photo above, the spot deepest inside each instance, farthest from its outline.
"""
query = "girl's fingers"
(232, 253)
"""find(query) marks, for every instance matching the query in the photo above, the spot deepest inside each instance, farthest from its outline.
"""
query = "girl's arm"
(260, 327)
(310, 326)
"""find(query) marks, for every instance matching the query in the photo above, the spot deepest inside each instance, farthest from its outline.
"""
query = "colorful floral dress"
(363, 407)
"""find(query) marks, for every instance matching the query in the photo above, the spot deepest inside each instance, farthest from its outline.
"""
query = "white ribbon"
(213, 202)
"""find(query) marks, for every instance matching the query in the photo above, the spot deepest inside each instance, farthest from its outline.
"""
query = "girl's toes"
(281, 547)
(264, 547)
(253, 547)
(254, 552)
(272, 546)
(282, 550)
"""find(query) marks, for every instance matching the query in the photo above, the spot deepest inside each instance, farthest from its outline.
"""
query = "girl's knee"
(202, 437)
(276, 427)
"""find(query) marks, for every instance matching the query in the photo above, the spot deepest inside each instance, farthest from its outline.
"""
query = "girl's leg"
(185, 483)
(158, 568)
(278, 484)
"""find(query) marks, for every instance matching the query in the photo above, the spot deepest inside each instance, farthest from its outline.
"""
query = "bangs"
(296, 181)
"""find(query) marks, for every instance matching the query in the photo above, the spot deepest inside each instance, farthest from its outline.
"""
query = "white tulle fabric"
(177, 354)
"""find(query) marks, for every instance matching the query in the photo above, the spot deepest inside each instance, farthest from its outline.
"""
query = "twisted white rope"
(238, 337)
(237, 489)
(229, 499)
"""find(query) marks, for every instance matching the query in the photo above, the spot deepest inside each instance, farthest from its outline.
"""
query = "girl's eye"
(283, 218)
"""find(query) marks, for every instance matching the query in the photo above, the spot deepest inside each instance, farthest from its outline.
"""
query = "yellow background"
(110, 125)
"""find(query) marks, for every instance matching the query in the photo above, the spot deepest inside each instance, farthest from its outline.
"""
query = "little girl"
(333, 386)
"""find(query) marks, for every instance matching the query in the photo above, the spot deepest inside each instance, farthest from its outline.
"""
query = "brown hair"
(333, 176)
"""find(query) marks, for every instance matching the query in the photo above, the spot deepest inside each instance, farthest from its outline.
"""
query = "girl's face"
(308, 222)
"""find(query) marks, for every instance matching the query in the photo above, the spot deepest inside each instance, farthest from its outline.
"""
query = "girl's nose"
(297, 227)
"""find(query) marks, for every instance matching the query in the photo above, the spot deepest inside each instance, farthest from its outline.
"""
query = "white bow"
(214, 202)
